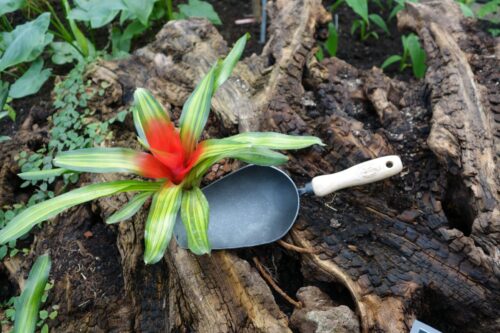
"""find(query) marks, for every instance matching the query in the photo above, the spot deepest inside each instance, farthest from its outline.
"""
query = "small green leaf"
(417, 55)
(319, 54)
(31, 81)
(3, 251)
(43, 314)
(45, 328)
(63, 53)
(225, 69)
(197, 8)
(379, 22)
(160, 222)
(194, 215)
(332, 40)
(28, 303)
(391, 60)
(466, 10)
(129, 209)
(53, 315)
(360, 7)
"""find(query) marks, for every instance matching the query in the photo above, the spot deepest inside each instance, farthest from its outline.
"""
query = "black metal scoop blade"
(252, 206)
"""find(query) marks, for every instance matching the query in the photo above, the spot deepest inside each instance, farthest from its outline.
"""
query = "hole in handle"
(389, 164)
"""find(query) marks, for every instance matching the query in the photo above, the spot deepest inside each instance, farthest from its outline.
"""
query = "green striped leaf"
(160, 222)
(276, 140)
(194, 215)
(141, 135)
(42, 174)
(225, 69)
(195, 112)
(260, 156)
(215, 150)
(28, 218)
(146, 110)
(130, 209)
(28, 304)
(100, 160)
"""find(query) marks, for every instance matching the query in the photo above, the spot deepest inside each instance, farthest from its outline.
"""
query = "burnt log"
(420, 245)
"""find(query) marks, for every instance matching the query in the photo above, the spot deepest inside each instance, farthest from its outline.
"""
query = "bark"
(421, 245)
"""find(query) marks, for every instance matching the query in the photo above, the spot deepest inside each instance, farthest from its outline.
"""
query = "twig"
(273, 284)
(298, 249)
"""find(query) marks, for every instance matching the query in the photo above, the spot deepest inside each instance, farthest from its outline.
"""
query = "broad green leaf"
(417, 55)
(360, 7)
(28, 303)
(194, 215)
(274, 140)
(9, 6)
(490, 7)
(42, 174)
(100, 160)
(195, 112)
(197, 8)
(28, 218)
(140, 9)
(225, 69)
(160, 222)
(466, 10)
(31, 81)
(130, 209)
(391, 60)
(379, 22)
(26, 42)
(97, 12)
(332, 40)
(4, 138)
(64, 52)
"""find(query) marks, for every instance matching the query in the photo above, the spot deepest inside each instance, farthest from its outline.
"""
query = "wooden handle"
(360, 174)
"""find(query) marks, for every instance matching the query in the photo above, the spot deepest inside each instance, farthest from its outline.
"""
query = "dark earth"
(88, 237)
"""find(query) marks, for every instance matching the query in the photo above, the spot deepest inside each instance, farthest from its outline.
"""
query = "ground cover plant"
(177, 158)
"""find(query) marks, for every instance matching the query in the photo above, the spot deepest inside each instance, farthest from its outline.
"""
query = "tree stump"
(423, 245)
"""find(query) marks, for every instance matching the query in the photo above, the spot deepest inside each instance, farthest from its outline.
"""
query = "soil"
(371, 52)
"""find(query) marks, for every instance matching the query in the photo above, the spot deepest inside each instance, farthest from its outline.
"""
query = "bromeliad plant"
(177, 160)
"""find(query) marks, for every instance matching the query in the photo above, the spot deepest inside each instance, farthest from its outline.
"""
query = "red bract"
(169, 158)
